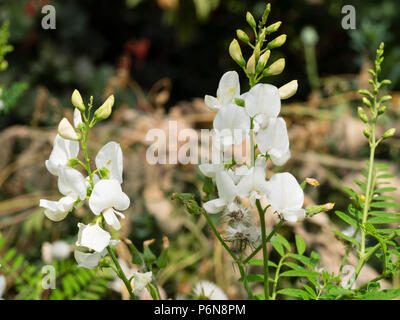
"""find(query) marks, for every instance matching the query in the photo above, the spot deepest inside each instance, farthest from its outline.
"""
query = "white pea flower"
(231, 124)
(210, 170)
(63, 150)
(228, 90)
(92, 236)
(140, 281)
(90, 260)
(227, 192)
(72, 185)
(208, 290)
(3, 285)
(66, 130)
(274, 140)
(58, 250)
(262, 102)
(254, 184)
(107, 197)
(286, 196)
(77, 118)
(110, 157)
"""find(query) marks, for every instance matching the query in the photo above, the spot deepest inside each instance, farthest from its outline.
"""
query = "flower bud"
(251, 64)
(366, 133)
(66, 130)
(389, 133)
(312, 210)
(365, 92)
(386, 82)
(362, 115)
(275, 68)
(277, 42)
(288, 90)
(263, 61)
(236, 53)
(250, 20)
(313, 182)
(242, 36)
(385, 99)
(366, 102)
(381, 110)
(273, 27)
(77, 101)
(165, 242)
(262, 36)
(105, 109)
(266, 14)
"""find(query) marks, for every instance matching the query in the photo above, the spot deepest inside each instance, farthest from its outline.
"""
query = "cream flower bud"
(104, 111)
(288, 90)
(277, 42)
(77, 101)
(66, 130)
(273, 27)
(275, 68)
(251, 64)
(263, 61)
(250, 20)
(236, 53)
(242, 36)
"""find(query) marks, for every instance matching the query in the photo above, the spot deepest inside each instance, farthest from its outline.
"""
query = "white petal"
(93, 237)
(72, 183)
(285, 192)
(63, 150)
(227, 190)
(77, 118)
(107, 193)
(212, 102)
(57, 210)
(209, 169)
(110, 157)
(263, 99)
(275, 136)
(294, 215)
(66, 130)
(214, 206)
(111, 218)
(140, 281)
(229, 82)
(87, 260)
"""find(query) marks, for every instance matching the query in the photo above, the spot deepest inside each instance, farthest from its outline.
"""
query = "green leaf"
(347, 219)
(387, 294)
(298, 273)
(291, 292)
(283, 241)
(277, 246)
(260, 262)
(388, 189)
(347, 238)
(300, 244)
(382, 204)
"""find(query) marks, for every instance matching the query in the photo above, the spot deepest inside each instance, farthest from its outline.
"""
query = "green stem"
(120, 273)
(278, 269)
(261, 212)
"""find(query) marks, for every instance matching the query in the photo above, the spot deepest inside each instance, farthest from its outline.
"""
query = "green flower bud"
(385, 99)
(105, 109)
(263, 61)
(365, 92)
(273, 27)
(77, 101)
(366, 133)
(236, 53)
(242, 36)
(266, 14)
(366, 102)
(250, 20)
(313, 210)
(274, 69)
(362, 115)
(381, 110)
(251, 64)
(389, 133)
(262, 36)
(277, 42)
(386, 82)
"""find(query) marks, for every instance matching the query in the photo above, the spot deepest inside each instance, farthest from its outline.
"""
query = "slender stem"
(261, 212)
(278, 269)
(120, 273)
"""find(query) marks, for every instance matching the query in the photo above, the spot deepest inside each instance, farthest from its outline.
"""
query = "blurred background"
(159, 58)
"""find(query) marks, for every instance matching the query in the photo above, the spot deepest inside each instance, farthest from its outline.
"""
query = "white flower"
(227, 192)
(140, 281)
(208, 290)
(3, 285)
(66, 130)
(107, 197)
(274, 140)
(231, 124)
(90, 260)
(72, 183)
(58, 250)
(228, 90)
(110, 157)
(63, 150)
(77, 118)
(92, 236)
(210, 170)
(117, 284)
(57, 210)
(262, 102)
(286, 196)
(254, 185)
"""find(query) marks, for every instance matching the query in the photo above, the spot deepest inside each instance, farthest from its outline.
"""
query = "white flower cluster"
(239, 116)
(104, 194)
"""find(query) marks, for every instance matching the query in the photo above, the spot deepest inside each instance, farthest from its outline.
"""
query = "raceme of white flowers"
(239, 116)
(105, 197)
